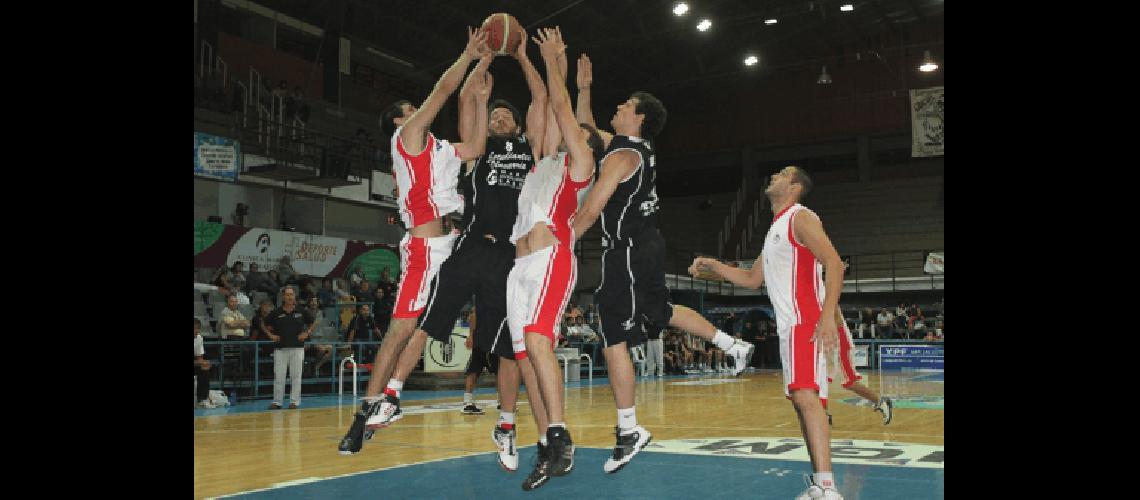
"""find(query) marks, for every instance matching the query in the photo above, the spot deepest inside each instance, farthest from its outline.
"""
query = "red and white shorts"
(420, 259)
(538, 288)
(845, 364)
(805, 365)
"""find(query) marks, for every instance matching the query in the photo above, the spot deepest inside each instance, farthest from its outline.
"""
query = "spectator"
(900, 310)
(257, 325)
(347, 312)
(885, 320)
(356, 277)
(237, 276)
(919, 326)
(285, 272)
(730, 323)
(234, 325)
(308, 289)
(386, 282)
(938, 330)
(288, 326)
(867, 322)
(222, 281)
(654, 350)
(381, 308)
(201, 368)
(900, 326)
(326, 296)
(321, 351)
(363, 328)
(256, 281)
(592, 315)
(364, 291)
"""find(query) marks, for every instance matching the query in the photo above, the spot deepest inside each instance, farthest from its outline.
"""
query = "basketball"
(496, 25)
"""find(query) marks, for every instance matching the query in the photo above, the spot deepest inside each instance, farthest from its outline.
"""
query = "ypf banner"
(216, 157)
(928, 134)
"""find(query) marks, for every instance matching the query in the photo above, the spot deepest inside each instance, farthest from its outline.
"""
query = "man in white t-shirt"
(884, 320)
(234, 325)
(201, 368)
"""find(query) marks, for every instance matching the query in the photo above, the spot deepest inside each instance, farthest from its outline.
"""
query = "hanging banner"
(216, 157)
(935, 263)
(928, 136)
(217, 245)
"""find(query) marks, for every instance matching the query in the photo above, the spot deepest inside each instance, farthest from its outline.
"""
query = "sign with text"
(217, 157)
(893, 357)
(928, 133)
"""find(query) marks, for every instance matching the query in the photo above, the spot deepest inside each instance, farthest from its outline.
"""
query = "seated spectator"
(347, 311)
(363, 328)
(285, 272)
(919, 326)
(237, 276)
(222, 281)
(364, 291)
(587, 334)
(866, 323)
(326, 296)
(233, 325)
(321, 351)
(201, 368)
(257, 325)
(386, 283)
(356, 277)
(900, 327)
(885, 320)
(308, 289)
(382, 304)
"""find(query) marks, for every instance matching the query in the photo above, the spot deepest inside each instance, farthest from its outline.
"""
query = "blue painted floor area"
(332, 400)
(649, 475)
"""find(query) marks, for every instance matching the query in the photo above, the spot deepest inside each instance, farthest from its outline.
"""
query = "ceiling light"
(680, 9)
(824, 78)
(928, 63)
(846, 7)
(704, 25)
(770, 21)
(750, 60)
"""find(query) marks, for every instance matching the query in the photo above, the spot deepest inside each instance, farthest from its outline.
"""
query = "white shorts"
(538, 289)
(420, 259)
(804, 364)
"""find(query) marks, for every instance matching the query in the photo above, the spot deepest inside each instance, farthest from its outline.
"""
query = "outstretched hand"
(520, 52)
(550, 42)
(585, 74)
(476, 43)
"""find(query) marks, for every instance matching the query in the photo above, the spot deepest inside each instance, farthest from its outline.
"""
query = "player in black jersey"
(632, 294)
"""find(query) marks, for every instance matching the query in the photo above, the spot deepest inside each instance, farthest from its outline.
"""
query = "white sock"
(395, 386)
(723, 340)
(468, 398)
(627, 418)
(506, 417)
(824, 480)
(543, 440)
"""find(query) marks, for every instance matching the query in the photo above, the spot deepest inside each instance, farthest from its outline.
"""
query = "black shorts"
(476, 267)
(633, 295)
(480, 360)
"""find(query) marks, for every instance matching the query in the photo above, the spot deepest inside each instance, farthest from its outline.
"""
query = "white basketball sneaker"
(505, 442)
(740, 352)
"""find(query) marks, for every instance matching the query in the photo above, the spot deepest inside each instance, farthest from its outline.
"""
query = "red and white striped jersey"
(549, 196)
(793, 275)
(426, 183)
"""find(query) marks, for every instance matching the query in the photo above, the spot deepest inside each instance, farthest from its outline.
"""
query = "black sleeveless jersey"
(633, 206)
(491, 189)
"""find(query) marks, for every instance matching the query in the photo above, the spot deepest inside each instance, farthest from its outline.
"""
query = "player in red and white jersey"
(426, 170)
(796, 251)
(542, 279)
(851, 377)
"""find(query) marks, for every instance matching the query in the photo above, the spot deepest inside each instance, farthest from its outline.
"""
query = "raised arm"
(536, 113)
(616, 167)
(468, 101)
(414, 131)
(472, 147)
(582, 160)
(584, 78)
(750, 278)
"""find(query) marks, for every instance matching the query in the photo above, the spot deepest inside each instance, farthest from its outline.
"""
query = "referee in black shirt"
(288, 326)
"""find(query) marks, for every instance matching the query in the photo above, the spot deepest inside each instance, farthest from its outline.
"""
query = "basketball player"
(806, 308)
(483, 257)
(632, 292)
(545, 269)
(851, 377)
(426, 171)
